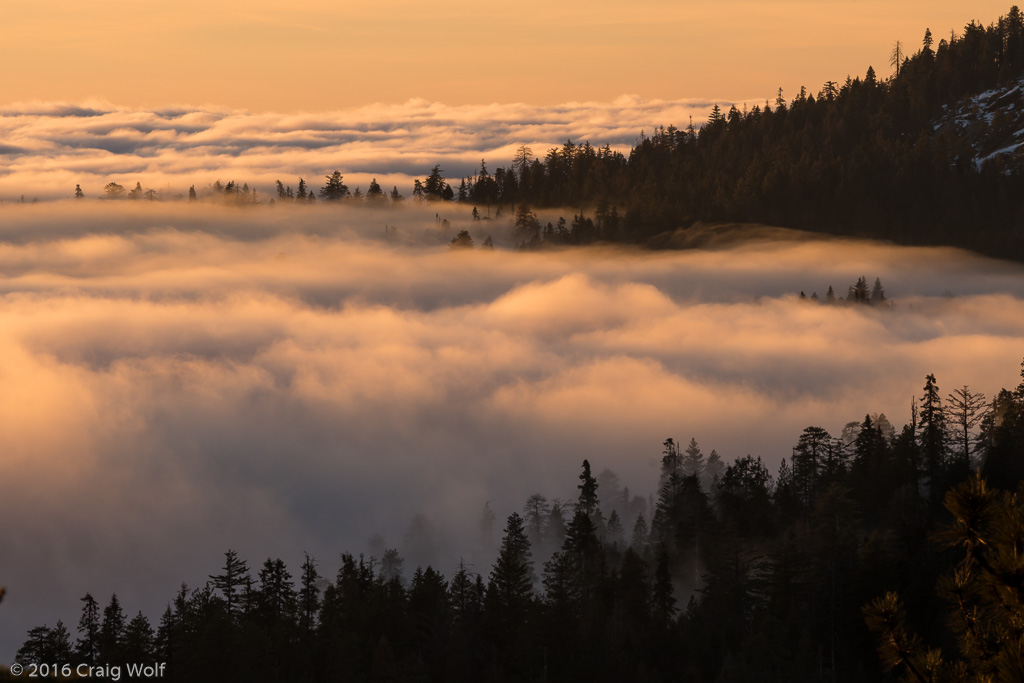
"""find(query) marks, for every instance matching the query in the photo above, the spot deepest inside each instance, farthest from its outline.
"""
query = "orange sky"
(267, 55)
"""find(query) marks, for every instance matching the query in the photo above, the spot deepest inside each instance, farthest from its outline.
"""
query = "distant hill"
(930, 155)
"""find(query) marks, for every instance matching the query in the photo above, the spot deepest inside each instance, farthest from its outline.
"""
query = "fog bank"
(178, 380)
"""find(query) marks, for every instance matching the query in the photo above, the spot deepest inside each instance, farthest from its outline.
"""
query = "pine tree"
(663, 600)
(808, 455)
(111, 634)
(139, 640)
(587, 501)
(275, 598)
(896, 57)
(693, 460)
(638, 540)
(932, 434)
(615, 531)
(334, 189)
(965, 409)
(510, 588)
(713, 470)
(535, 513)
(554, 530)
(232, 582)
(671, 461)
(877, 292)
(309, 596)
(374, 193)
(87, 646)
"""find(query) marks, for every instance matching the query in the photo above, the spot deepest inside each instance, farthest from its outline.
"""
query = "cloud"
(178, 379)
(51, 147)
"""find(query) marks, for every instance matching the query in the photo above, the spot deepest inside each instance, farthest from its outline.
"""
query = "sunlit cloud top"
(48, 148)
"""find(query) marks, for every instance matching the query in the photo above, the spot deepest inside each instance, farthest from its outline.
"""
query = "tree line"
(729, 573)
(870, 157)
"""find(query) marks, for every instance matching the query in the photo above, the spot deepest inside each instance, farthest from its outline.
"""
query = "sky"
(265, 55)
(183, 379)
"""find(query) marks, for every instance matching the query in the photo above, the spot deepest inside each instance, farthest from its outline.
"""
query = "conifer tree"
(232, 582)
(535, 514)
(111, 634)
(965, 409)
(587, 501)
(374, 192)
(638, 540)
(510, 588)
(334, 189)
(309, 596)
(693, 460)
(87, 646)
(139, 640)
(932, 433)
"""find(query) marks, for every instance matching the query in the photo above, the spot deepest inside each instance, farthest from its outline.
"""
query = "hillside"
(928, 155)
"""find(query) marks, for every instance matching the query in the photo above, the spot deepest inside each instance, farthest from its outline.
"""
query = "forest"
(910, 158)
(867, 555)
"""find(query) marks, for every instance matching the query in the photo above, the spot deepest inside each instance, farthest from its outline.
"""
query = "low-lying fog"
(180, 379)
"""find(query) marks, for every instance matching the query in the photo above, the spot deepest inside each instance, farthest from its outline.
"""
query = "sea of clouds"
(179, 379)
(47, 148)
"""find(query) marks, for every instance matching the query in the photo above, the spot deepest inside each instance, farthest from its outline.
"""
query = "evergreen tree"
(663, 600)
(114, 191)
(374, 193)
(139, 640)
(965, 409)
(671, 461)
(334, 189)
(615, 531)
(638, 540)
(932, 433)
(877, 292)
(713, 470)
(232, 582)
(309, 596)
(693, 460)
(111, 634)
(554, 530)
(509, 598)
(808, 455)
(535, 514)
(587, 501)
(87, 646)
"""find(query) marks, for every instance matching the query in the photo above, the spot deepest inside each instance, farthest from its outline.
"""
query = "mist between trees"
(728, 573)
